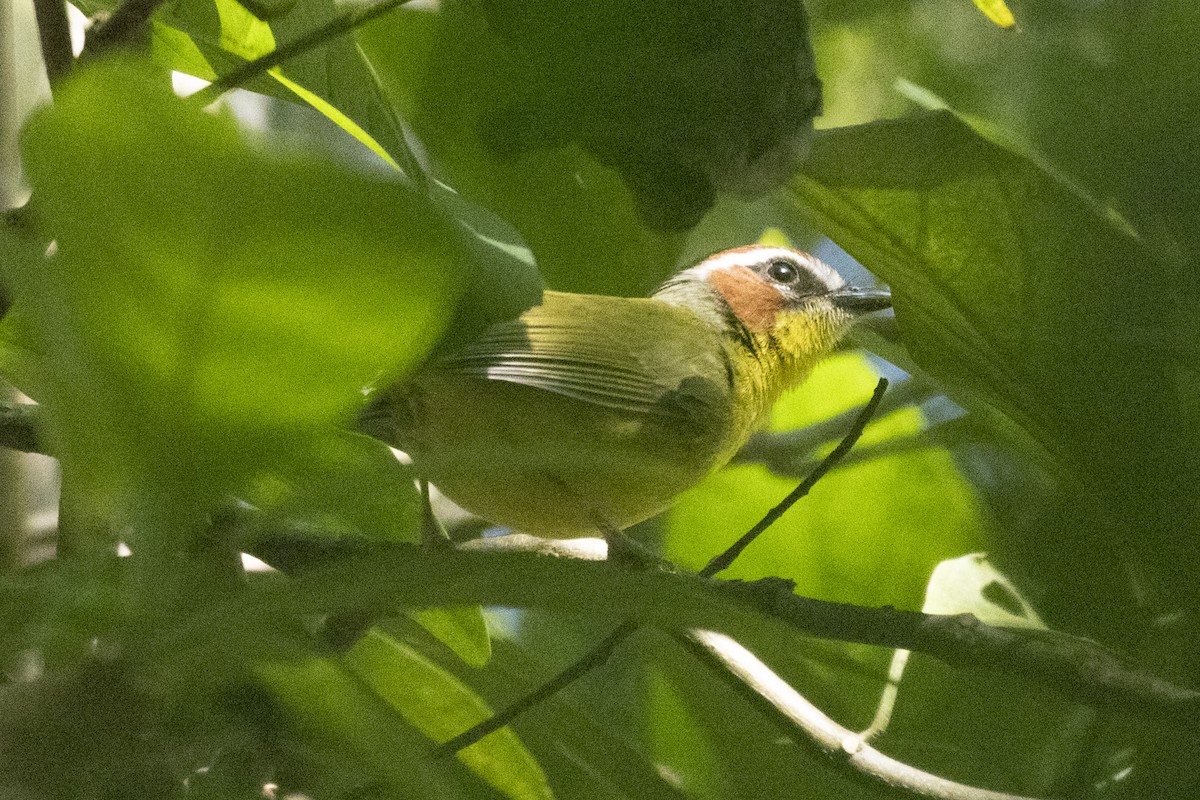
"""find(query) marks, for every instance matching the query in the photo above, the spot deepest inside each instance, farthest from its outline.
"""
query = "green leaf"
(971, 584)
(242, 33)
(331, 111)
(268, 9)
(223, 36)
(327, 705)
(682, 742)
(965, 585)
(334, 79)
(447, 72)
(345, 483)
(208, 305)
(1023, 296)
(460, 628)
(582, 740)
(175, 49)
(440, 706)
(995, 266)
(340, 75)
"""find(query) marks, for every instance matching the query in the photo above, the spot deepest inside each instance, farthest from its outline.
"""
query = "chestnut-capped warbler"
(589, 413)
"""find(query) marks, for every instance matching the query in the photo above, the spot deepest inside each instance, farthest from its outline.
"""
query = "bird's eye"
(782, 271)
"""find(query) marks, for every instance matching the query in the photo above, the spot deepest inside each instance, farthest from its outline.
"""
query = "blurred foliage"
(215, 304)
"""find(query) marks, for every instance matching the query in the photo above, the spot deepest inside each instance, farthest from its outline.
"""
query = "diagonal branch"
(596, 657)
(723, 560)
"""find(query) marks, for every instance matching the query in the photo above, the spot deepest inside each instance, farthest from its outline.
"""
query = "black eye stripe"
(795, 278)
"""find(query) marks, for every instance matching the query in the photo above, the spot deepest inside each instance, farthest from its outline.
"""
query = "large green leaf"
(342, 484)
(588, 751)
(208, 303)
(1022, 294)
(936, 211)
(448, 72)
(460, 628)
(327, 706)
(339, 74)
(440, 706)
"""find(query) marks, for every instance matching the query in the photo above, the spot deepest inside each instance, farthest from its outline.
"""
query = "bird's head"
(784, 309)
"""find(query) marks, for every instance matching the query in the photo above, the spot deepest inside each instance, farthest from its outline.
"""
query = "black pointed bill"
(861, 301)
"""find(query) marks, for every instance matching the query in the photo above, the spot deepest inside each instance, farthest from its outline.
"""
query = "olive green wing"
(636, 355)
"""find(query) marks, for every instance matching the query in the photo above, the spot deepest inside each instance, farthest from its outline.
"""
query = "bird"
(588, 414)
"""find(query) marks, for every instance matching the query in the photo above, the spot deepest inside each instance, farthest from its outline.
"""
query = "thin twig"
(577, 669)
(122, 27)
(723, 560)
(315, 38)
(601, 652)
(54, 31)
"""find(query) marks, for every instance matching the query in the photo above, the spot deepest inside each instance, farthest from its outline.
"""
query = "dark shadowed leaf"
(447, 72)
(1023, 294)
